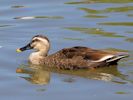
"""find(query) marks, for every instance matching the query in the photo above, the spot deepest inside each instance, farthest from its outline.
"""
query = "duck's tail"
(117, 57)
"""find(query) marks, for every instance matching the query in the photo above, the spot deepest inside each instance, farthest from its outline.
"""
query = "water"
(101, 24)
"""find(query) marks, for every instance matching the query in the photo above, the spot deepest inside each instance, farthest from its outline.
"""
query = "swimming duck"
(77, 57)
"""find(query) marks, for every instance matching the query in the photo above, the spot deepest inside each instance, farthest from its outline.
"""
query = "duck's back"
(83, 52)
(81, 57)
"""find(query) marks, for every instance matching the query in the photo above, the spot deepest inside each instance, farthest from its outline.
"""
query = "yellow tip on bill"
(18, 50)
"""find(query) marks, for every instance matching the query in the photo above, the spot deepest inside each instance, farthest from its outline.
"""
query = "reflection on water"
(108, 10)
(129, 39)
(34, 17)
(116, 50)
(121, 92)
(130, 15)
(119, 9)
(4, 26)
(41, 75)
(94, 31)
(72, 38)
(99, 1)
(35, 76)
(92, 11)
(82, 2)
(18, 6)
(118, 23)
(96, 16)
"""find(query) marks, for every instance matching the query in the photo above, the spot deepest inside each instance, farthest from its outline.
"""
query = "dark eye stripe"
(35, 40)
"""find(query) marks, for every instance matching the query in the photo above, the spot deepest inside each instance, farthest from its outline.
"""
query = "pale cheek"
(38, 47)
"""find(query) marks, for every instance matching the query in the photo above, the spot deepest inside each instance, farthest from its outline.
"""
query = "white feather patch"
(116, 58)
(104, 58)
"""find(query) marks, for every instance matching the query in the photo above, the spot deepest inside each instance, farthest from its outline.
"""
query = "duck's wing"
(90, 54)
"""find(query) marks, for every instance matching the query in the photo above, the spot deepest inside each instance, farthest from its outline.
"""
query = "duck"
(77, 57)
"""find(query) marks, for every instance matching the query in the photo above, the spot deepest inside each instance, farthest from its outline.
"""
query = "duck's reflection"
(108, 74)
(41, 75)
(35, 75)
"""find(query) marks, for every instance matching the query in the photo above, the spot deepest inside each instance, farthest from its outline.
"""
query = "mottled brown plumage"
(70, 58)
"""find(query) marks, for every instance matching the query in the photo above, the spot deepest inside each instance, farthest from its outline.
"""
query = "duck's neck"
(37, 57)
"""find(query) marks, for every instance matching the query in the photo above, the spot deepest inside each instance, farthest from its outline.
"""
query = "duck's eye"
(33, 41)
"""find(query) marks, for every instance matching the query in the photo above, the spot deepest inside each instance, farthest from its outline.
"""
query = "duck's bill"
(27, 47)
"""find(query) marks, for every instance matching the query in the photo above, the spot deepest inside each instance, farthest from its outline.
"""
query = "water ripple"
(18, 6)
(101, 1)
(117, 23)
(39, 17)
(95, 31)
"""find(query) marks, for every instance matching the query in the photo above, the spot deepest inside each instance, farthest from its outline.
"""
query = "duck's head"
(38, 43)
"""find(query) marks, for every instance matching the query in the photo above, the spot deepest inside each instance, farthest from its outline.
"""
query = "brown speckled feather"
(77, 58)
(83, 52)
